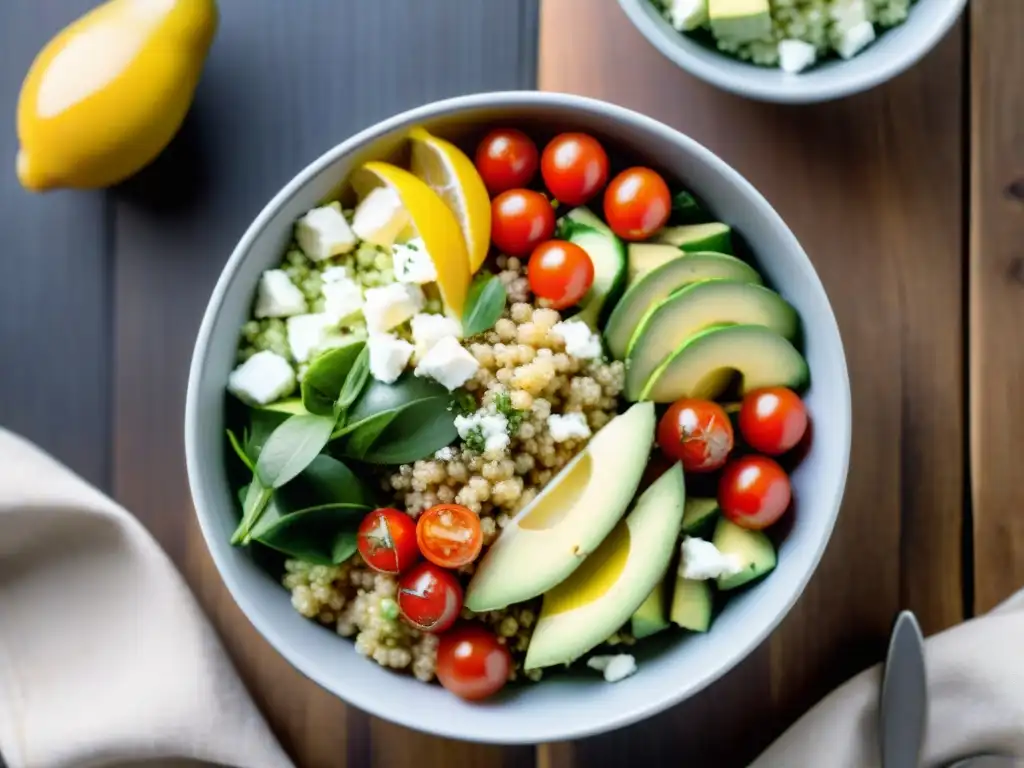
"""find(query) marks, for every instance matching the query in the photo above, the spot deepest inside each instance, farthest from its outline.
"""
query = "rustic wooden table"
(908, 199)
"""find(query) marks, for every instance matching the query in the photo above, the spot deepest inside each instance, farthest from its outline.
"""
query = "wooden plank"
(285, 82)
(879, 211)
(997, 310)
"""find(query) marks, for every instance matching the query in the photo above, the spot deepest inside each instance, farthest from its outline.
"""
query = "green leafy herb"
(356, 380)
(686, 209)
(325, 480)
(503, 405)
(474, 440)
(262, 424)
(463, 403)
(257, 496)
(322, 535)
(291, 447)
(326, 376)
(484, 304)
(239, 451)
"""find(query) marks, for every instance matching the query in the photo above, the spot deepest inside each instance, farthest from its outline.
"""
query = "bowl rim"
(363, 698)
(933, 28)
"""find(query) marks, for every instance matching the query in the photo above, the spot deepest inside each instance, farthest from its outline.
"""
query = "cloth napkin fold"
(105, 656)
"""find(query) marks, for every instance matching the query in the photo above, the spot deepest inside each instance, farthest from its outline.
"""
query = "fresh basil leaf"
(257, 496)
(484, 304)
(356, 380)
(323, 535)
(262, 422)
(416, 432)
(325, 377)
(239, 451)
(325, 480)
(686, 209)
(378, 397)
(360, 439)
(291, 447)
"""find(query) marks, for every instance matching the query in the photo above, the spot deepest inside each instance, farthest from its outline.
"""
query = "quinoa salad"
(487, 427)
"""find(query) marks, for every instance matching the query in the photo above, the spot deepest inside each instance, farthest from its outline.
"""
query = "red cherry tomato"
(449, 535)
(773, 420)
(471, 663)
(506, 159)
(574, 167)
(520, 220)
(697, 433)
(429, 597)
(387, 540)
(754, 492)
(560, 272)
(637, 203)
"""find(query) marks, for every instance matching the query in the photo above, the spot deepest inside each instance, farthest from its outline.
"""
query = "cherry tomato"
(506, 159)
(637, 203)
(471, 663)
(387, 540)
(449, 535)
(773, 420)
(560, 272)
(753, 492)
(697, 433)
(574, 167)
(520, 220)
(429, 597)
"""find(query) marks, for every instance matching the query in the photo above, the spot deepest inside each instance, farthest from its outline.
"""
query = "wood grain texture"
(996, 298)
(872, 186)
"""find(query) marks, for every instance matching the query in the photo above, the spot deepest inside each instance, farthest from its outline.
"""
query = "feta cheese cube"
(568, 427)
(412, 262)
(342, 298)
(848, 13)
(388, 356)
(429, 329)
(796, 55)
(580, 341)
(380, 217)
(701, 560)
(391, 305)
(448, 363)
(615, 668)
(855, 39)
(277, 296)
(445, 454)
(323, 232)
(262, 379)
(492, 426)
(308, 334)
(334, 274)
(687, 15)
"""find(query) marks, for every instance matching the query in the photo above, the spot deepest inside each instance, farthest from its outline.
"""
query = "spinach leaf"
(257, 497)
(325, 480)
(418, 430)
(291, 447)
(379, 397)
(356, 380)
(325, 377)
(686, 209)
(360, 439)
(323, 535)
(262, 423)
(484, 304)
(239, 451)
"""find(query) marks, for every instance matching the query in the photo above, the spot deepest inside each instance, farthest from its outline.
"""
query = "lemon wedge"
(448, 171)
(437, 226)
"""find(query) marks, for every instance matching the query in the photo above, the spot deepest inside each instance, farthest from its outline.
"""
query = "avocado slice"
(752, 549)
(703, 364)
(650, 618)
(696, 307)
(714, 236)
(692, 604)
(553, 535)
(601, 595)
(608, 255)
(660, 282)
(740, 21)
(699, 515)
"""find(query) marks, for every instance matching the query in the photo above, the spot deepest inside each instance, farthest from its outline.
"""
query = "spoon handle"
(904, 701)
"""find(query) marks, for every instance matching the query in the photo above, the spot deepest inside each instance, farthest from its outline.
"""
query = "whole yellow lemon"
(108, 93)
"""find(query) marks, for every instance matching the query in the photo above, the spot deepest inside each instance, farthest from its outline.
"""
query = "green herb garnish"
(503, 405)
(484, 304)
(474, 440)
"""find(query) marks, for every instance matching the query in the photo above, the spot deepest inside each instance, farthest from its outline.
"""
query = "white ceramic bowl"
(566, 706)
(894, 51)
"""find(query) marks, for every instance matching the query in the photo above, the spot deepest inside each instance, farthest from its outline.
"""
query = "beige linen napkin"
(105, 657)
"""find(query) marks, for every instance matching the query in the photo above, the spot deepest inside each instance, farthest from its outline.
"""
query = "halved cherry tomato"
(574, 167)
(754, 492)
(637, 203)
(449, 535)
(472, 663)
(387, 540)
(697, 433)
(520, 220)
(773, 420)
(429, 597)
(506, 159)
(560, 272)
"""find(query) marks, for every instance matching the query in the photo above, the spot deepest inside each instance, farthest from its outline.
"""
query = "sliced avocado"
(740, 21)
(650, 618)
(692, 604)
(703, 365)
(692, 309)
(552, 536)
(691, 238)
(607, 253)
(699, 515)
(661, 281)
(601, 595)
(752, 549)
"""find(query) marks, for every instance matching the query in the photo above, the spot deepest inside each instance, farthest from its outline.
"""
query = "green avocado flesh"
(692, 604)
(699, 515)
(753, 549)
(650, 618)
(715, 236)
(608, 255)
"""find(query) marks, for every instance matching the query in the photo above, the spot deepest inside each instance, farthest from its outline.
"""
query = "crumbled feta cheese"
(567, 427)
(580, 341)
(848, 13)
(428, 329)
(445, 454)
(334, 274)
(391, 305)
(277, 296)
(701, 560)
(492, 426)
(687, 15)
(796, 55)
(388, 356)
(412, 262)
(855, 39)
(323, 232)
(615, 668)
(343, 298)
(380, 216)
(448, 363)
(309, 333)
(263, 378)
